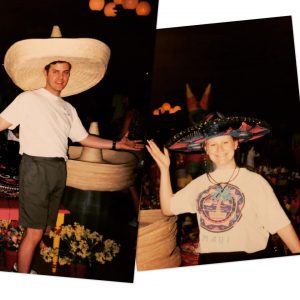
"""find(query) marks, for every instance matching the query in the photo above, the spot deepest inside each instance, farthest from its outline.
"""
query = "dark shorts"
(42, 182)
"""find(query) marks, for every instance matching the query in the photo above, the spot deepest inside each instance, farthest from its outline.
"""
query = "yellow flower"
(108, 243)
(108, 257)
(95, 236)
(5, 223)
(115, 249)
(73, 246)
(52, 234)
(64, 260)
(48, 253)
(100, 257)
(79, 232)
(80, 244)
(66, 230)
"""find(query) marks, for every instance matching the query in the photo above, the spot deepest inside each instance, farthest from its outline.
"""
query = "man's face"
(57, 77)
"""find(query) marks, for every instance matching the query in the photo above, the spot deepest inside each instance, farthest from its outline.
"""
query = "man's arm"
(93, 141)
(4, 124)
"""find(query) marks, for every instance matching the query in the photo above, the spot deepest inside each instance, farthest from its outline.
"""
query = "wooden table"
(9, 210)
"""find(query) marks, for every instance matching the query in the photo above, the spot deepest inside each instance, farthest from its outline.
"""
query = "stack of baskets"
(114, 173)
(156, 244)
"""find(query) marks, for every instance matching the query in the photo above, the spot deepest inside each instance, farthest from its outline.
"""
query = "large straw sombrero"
(215, 124)
(25, 60)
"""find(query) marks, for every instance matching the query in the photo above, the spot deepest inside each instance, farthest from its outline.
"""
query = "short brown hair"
(47, 67)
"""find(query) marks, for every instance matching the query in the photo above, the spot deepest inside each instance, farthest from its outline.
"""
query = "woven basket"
(117, 173)
(151, 216)
(156, 240)
(156, 250)
(146, 228)
(172, 261)
(167, 229)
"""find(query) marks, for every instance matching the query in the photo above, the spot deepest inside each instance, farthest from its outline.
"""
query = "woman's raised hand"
(161, 158)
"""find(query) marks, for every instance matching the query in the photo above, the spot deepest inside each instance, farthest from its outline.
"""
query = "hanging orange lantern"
(130, 4)
(110, 10)
(118, 2)
(96, 4)
(143, 8)
(166, 106)
(175, 109)
(156, 112)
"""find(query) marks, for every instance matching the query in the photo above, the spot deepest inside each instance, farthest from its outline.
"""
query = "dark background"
(130, 38)
(251, 66)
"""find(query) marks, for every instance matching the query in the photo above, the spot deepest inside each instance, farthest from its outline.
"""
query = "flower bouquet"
(11, 234)
(79, 245)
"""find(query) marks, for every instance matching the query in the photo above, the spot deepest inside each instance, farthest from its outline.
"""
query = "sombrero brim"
(242, 128)
(25, 61)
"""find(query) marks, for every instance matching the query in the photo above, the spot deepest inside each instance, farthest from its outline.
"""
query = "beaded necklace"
(231, 178)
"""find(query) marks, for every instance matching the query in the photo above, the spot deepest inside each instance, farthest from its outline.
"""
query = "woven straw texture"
(172, 261)
(117, 173)
(157, 250)
(150, 216)
(25, 60)
(164, 231)
(156, 242)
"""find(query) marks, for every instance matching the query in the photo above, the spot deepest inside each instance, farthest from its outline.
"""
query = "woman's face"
(221, 150)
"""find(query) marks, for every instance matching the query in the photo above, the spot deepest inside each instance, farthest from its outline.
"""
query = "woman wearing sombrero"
(236, 209)
(48, 69)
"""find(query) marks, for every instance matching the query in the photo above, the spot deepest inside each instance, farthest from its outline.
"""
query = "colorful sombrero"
(215, 124)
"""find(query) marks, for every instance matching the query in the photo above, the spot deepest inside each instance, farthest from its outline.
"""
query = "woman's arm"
(290, 238)
(4, 124)
(165, 190)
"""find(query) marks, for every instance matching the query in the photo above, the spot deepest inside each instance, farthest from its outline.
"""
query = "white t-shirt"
(46, 122)
(239, 218)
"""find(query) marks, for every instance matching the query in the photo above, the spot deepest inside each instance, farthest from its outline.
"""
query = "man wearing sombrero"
(47, 69)
(236, 209)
